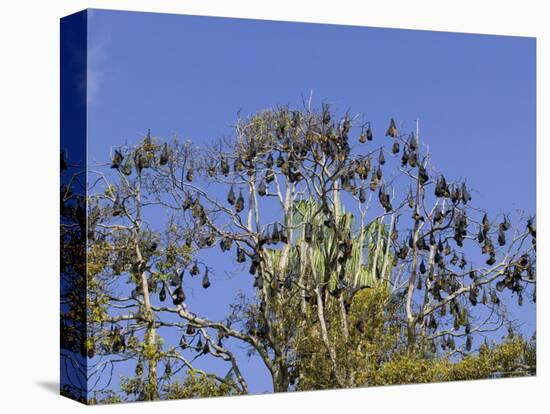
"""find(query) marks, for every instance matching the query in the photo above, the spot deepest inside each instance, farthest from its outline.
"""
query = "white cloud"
(99, 39)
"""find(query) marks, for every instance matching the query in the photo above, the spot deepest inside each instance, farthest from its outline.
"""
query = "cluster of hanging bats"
(296, 142)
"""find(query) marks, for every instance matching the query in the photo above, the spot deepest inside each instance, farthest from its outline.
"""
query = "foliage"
(512, 357)
(197, 386)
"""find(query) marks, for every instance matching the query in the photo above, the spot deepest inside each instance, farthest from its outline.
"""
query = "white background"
(29, 141)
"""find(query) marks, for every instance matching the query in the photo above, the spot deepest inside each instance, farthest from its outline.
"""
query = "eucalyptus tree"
(319, 212)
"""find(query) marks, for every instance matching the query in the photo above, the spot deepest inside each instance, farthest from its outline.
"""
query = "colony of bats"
(313, 150)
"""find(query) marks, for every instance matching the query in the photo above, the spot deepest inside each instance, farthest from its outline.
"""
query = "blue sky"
(474, 96)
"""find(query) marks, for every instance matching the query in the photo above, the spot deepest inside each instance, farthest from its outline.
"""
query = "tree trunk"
(281, 379)
(152, 384)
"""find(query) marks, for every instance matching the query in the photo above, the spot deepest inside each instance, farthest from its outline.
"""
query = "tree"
(73, 284)
(358, 262)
